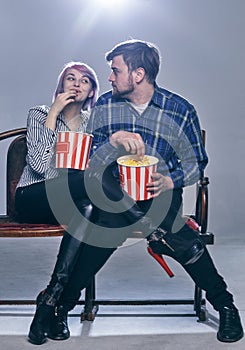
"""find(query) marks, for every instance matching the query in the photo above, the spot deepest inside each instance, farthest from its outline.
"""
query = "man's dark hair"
(138, 54)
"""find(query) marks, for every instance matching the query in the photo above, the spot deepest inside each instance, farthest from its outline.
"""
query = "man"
(138, 117)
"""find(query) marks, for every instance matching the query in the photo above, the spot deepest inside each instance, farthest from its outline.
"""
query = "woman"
(75, 95)
(48, 195)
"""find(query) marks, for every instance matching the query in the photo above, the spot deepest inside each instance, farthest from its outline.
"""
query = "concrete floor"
(131, 273)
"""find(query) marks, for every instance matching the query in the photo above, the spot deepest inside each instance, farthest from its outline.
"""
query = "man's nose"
(111, 77)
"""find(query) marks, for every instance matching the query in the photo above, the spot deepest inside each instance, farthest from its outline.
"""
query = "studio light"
(116, 4)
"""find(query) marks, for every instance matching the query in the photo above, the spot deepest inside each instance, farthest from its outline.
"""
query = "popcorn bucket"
(72, 149)
(134, 175)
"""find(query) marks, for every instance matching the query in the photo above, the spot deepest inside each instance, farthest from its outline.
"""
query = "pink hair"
(87, 71)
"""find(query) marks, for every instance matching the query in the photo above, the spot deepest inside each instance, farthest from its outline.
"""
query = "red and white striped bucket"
(72, 149)
(133, 178)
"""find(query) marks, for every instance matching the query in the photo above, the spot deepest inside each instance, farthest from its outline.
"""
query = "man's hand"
(132, 142)
(159, 184)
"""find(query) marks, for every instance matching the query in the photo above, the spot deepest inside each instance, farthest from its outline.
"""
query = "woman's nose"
(76, 82)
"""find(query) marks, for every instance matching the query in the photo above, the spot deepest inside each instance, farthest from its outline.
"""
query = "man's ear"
(139, 74)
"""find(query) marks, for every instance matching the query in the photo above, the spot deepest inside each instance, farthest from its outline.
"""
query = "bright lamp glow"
(111, 10)
(107, 2)
(110, 3)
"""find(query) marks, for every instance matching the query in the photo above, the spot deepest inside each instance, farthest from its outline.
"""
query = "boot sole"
(58, 337)
(225, 340)
(34, 340)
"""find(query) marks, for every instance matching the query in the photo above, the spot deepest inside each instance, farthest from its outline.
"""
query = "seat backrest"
(16, 160)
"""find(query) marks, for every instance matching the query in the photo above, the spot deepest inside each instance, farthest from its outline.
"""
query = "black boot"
(66, 260)
(185, 250)
(44, 314)
(69, 251)
(230, 327)
(59, 327)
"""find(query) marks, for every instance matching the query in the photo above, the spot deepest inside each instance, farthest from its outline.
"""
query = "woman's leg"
(69, 249)
(90, 261)
(32, 205)
(51, 201)
(66, 260)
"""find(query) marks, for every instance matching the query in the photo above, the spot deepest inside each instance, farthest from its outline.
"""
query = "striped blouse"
(41, 141)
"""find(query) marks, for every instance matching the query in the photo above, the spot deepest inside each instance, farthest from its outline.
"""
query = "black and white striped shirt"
(41, 141)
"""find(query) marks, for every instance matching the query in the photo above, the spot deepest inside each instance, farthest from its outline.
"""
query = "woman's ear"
(91, 94)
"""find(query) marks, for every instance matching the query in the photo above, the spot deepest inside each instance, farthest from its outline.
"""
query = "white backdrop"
(203, 54)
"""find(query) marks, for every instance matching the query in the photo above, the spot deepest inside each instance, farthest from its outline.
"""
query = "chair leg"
(90, 310)
(199, 305)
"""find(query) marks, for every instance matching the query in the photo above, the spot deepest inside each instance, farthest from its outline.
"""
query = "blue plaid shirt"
(169, 127)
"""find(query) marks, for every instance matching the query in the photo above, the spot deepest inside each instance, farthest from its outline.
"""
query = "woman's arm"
(40, 139)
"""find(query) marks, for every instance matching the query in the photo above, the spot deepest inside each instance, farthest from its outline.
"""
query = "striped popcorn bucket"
(72, 149)
(133, 178)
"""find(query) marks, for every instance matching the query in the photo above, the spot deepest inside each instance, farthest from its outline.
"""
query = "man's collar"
(159, 96)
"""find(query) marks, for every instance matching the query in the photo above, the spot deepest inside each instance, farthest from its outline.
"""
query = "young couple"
(136, 117)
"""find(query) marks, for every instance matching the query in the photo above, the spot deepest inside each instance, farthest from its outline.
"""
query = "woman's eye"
(85, 81)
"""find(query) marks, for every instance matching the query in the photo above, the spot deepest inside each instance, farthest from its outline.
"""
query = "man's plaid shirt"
(169, 127)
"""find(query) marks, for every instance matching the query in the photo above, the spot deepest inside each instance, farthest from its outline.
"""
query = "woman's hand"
(159, 184)
(61, 101)
(132, 142)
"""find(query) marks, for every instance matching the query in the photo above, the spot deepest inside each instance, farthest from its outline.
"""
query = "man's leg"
(205, 275)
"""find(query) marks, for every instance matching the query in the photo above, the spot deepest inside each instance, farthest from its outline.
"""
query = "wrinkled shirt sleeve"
(40, 141)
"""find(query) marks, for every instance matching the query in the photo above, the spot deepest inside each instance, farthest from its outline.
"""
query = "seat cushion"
(15, 229)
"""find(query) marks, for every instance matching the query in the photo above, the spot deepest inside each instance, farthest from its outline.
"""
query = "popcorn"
(135, 162)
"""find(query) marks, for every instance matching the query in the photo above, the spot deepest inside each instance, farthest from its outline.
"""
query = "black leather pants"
(203, 272)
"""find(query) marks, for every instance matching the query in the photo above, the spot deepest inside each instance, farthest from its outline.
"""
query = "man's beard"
(126, 92)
